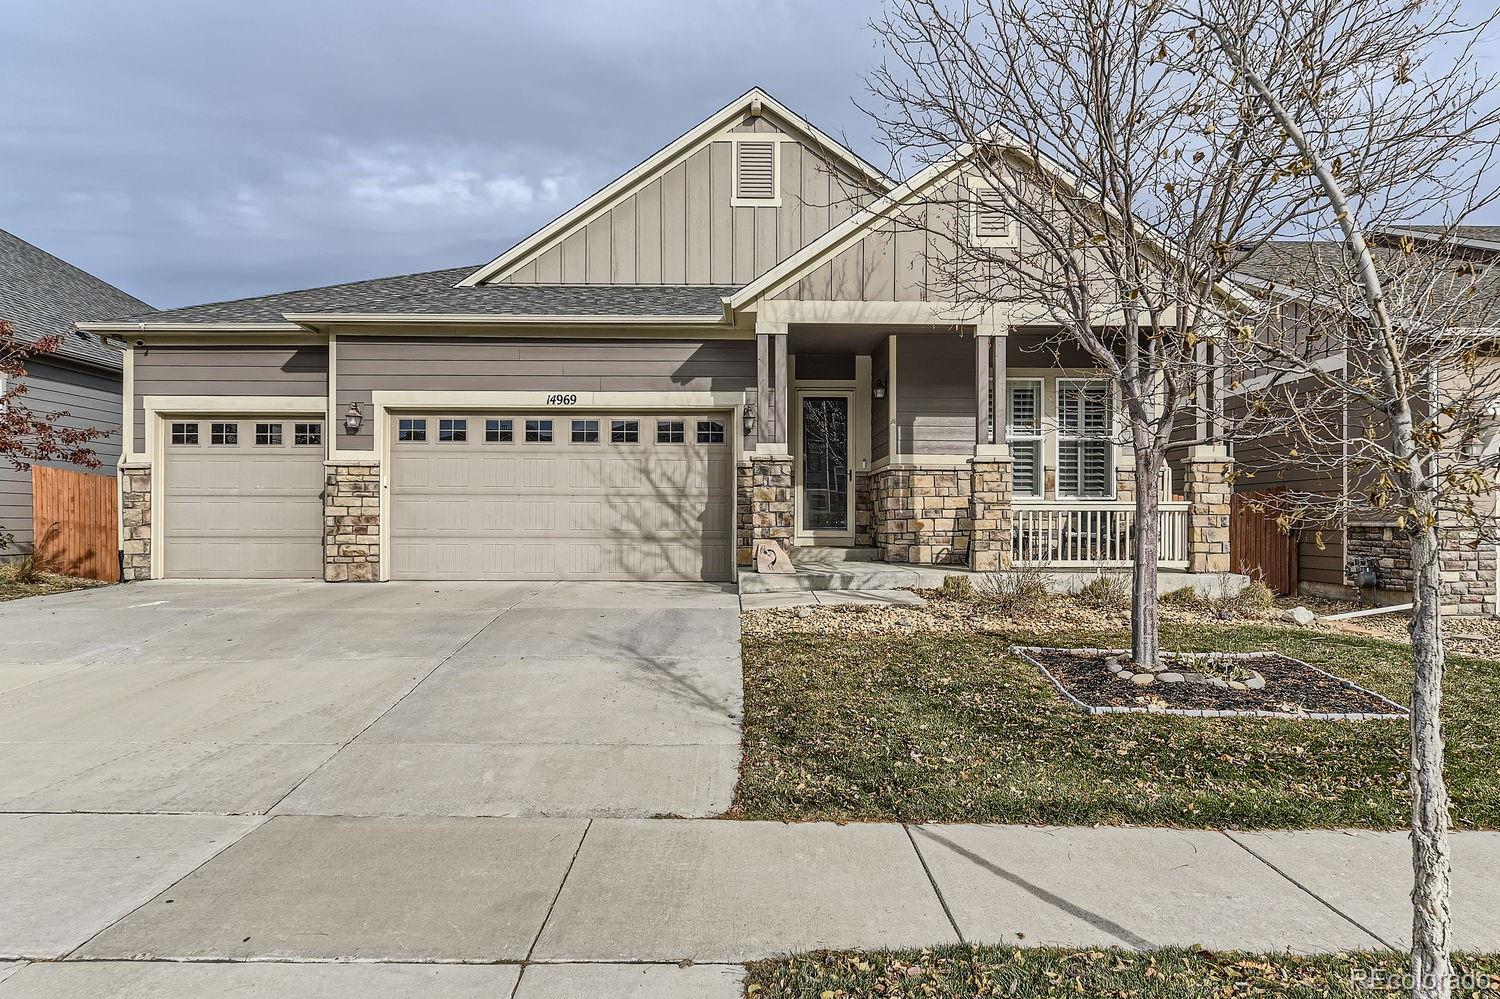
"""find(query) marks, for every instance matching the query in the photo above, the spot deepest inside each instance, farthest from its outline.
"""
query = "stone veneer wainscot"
(351, 523)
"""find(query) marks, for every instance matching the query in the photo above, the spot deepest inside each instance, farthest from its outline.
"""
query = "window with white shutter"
(1085, 453)
(1023, 432)
(755, 173)
(991, 224)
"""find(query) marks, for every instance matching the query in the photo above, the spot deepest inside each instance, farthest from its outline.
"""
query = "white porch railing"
(1093, 534)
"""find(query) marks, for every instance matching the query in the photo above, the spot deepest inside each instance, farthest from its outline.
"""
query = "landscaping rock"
(1300, 616)
(1236, 685)
(1256, 682)
(1171, 677)
(1143, 679)
(1113, 665)
(1125, 674)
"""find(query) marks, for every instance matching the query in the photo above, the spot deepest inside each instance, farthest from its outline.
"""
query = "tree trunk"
(1431, 954)
(1145, 628)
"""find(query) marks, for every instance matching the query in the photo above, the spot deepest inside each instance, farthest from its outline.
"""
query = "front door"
(825, 493)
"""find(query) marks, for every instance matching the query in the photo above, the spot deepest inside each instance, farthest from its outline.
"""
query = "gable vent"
(755, 170)
(993, 225)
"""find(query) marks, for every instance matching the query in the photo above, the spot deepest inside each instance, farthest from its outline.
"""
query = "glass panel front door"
(825, 463)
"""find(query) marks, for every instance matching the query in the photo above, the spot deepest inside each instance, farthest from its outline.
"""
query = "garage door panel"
(241, 510)
(562, 509)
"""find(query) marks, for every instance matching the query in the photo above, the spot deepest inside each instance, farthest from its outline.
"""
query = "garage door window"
(625, 432)
(307, 434)
(268, 434)
(669, 432)
(184, 433)
(411, 431)
(710, 431)
(223, 434)
(498, 432)
(453, 431)
(585, 431)
(538, 431)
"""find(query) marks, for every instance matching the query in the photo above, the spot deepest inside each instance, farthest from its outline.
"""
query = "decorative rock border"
(1398, 713)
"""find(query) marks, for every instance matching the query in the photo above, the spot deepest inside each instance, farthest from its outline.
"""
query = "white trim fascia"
(537, 400)
(504, 320)
(924, 461)
(1426, 236)
(215, 405)
(262, 327)
(1333, 362)
(877, 313)
(705, 131)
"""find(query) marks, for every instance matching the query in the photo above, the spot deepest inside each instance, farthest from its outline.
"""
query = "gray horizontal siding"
(935, 401)
(90, 398)
(467, 364)
(226, 371)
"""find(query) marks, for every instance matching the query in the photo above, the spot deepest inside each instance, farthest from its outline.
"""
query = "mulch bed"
(1293, 689)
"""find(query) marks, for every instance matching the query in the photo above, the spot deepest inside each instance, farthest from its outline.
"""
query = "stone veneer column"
(351, 523)
(764, 503)
(1206, 485)
(135, 516)
(990, 500)
(864, 510)
(923, 515)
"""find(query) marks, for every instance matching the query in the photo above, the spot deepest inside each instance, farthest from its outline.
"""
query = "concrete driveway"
(473, 699)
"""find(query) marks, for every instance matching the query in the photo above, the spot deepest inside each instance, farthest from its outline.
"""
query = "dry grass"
(24, 578)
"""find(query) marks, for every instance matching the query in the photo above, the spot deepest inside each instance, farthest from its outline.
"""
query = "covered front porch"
(980, 445)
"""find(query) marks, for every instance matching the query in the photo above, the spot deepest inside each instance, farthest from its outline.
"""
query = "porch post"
(991, 484)
(765, 500)
(1207, 487)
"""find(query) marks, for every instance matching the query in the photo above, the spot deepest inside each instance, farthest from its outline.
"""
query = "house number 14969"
(559, 399)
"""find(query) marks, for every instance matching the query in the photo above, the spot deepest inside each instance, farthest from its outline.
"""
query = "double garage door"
(632, 496)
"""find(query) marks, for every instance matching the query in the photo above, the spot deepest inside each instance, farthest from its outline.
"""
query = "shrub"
(1020, 592)
(958, 587)
(1184, 598)
(1105, 592)
(1255, 600)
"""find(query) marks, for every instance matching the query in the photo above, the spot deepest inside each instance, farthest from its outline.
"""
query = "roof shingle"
(44, 296)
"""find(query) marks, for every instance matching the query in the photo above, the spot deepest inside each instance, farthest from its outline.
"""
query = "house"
(1342, 541)
(736, 340)
(42, 296)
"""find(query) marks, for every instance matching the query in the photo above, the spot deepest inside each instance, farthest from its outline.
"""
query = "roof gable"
(674, 219)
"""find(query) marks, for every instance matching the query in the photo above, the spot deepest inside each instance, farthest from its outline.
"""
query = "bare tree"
(1394, 124)
(1135, 177)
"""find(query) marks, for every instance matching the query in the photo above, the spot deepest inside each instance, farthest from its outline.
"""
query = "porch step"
(851, 575)
(814, 556)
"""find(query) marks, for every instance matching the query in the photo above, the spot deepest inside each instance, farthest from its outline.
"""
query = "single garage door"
(244, 498)
(574, 496)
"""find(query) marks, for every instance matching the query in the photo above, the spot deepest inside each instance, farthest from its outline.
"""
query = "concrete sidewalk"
(528, 898)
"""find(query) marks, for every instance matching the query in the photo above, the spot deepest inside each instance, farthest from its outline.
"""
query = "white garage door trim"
(160, 410)
(384, 404)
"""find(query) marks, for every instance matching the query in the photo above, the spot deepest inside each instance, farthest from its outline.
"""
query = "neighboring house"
(1342, 538)
(734, 341)
(43, 296)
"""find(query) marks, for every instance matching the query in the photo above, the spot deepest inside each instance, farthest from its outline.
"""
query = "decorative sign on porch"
(771, 557)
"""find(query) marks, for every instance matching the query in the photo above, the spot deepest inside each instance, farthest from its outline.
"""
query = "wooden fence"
(76, 519)
(1259, 547)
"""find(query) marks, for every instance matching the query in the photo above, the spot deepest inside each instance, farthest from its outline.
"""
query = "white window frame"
(544, 425)
(736, 200)
(417, 430)
(580, 425)
(275, 429)
(625, 420)
(309, 428)
(698, 431)
(500, 428)
(215, 431)
(1011, 241)
(1039, 435)
(1108, 438)
(457, 425)
(671, 443)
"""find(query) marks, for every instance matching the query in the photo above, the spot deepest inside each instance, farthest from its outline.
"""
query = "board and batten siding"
(880, 409)
(471, 364)
(681, 227)
(91, 398)
(280, 370)
(935, 394)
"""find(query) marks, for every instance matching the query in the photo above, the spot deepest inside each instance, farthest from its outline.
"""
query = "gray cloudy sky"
(193, 150)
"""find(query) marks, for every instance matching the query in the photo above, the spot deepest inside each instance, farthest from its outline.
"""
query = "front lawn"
(1036, 972)
(854, 714)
